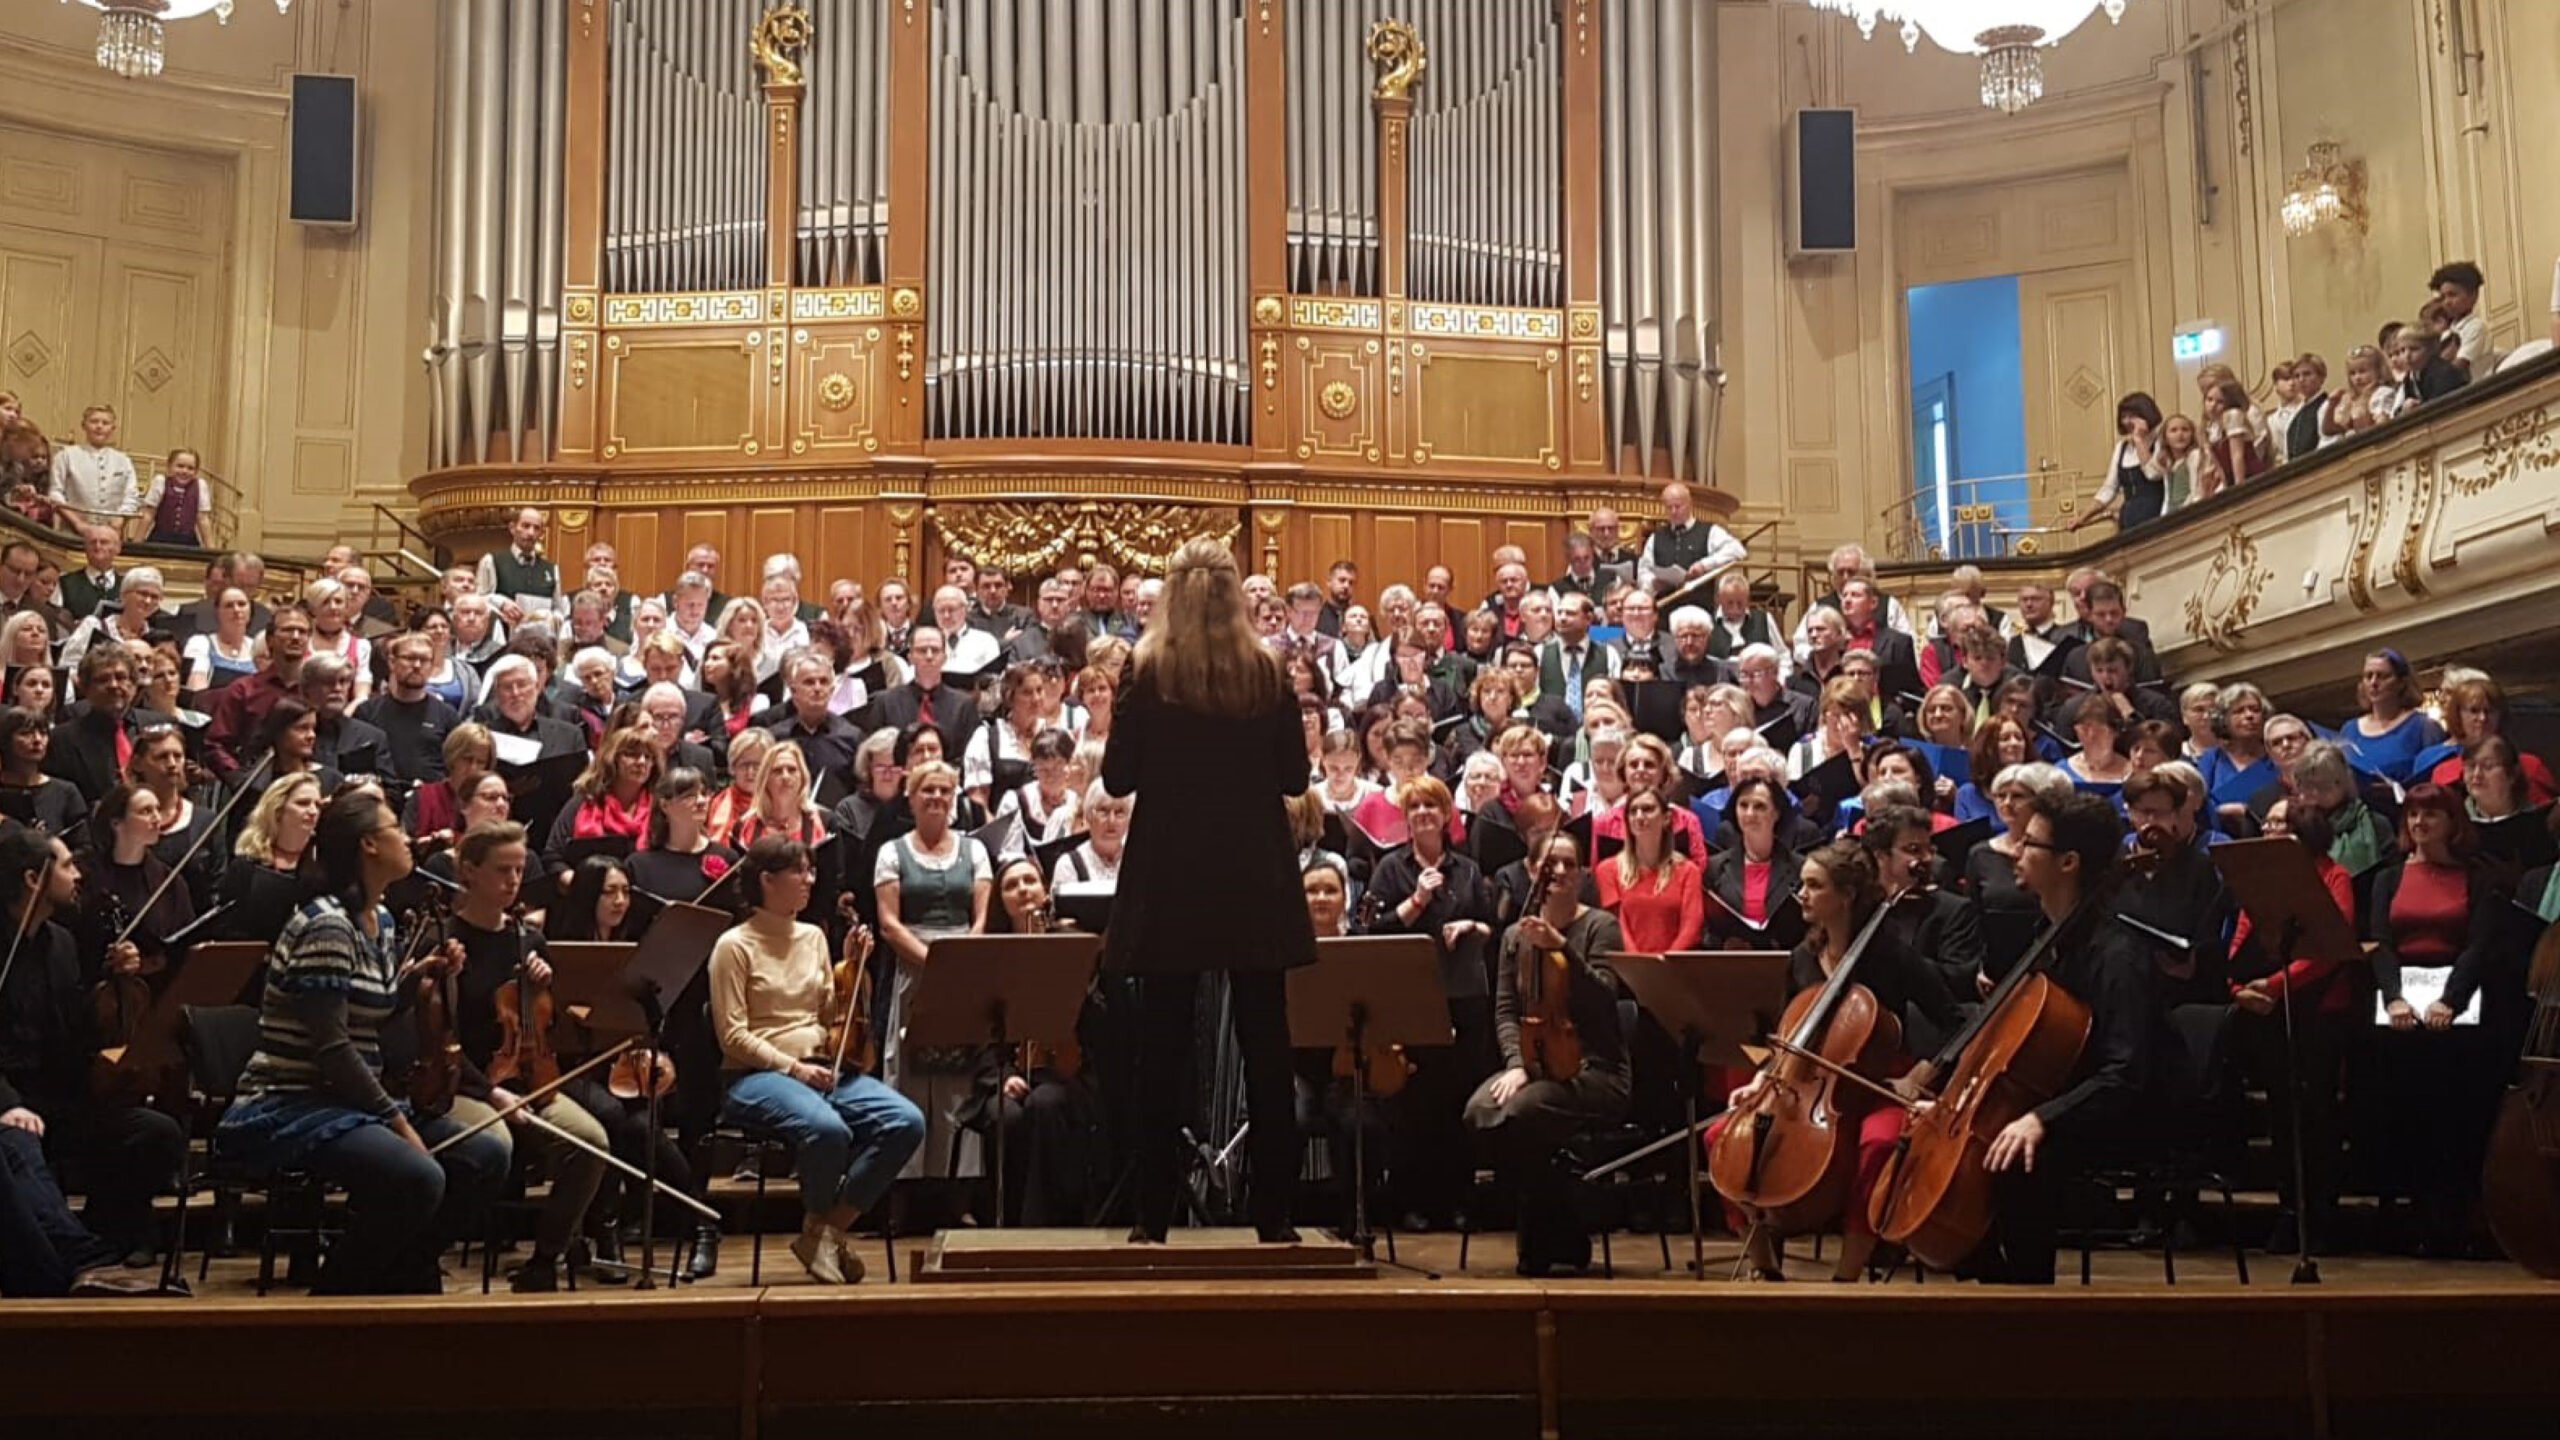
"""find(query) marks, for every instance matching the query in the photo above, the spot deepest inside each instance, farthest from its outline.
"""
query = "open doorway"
(1968, 415)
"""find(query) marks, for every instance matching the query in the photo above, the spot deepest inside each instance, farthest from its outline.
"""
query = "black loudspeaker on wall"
(324, 150)
(1822, 182)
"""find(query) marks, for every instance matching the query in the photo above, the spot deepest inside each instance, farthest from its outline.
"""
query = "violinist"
(263, 887)
(2180, 892)
(493, 950)
(771, 984)
(1522, 1119)
(1928, 920)
(1056, 1161)
(1840, 887)
(49, 1041)
(1430, 888)
(2069, 850)
(312, 1095)
(122, 888)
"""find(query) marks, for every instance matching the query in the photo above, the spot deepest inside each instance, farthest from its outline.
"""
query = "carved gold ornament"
(836, 391)
(2217, 608)
(905, 303)
(1396, 49)
(777, 42)
(1268, 311)
(1338, 400)
(2519, 442)
(1035, 537)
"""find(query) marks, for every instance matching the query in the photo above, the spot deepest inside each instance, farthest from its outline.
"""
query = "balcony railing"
(1995, 517)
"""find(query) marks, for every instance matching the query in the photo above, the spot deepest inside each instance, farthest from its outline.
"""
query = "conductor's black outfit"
(1209, 882)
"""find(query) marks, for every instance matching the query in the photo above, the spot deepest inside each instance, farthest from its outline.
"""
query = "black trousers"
(120, 1157)
(626, 1126)
(1435, 1157)
(2319, 1052)
(43, 1248)
(1167, 1011)
(1055, 1154)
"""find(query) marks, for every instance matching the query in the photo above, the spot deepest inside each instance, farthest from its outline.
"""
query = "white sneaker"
(847, 1261)
(817, 1251)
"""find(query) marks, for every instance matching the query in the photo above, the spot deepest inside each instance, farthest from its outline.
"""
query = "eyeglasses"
(2044, 845)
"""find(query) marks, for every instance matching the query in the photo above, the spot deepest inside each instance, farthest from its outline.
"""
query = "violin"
(2520, 1184)
(1383, 1069)
(436, 1076)
(847, 1013)
(1934, 1195)
(122, 1000)
(524, 1057)
(1550, 1048)
(1066, 1056)
(1789, 1166)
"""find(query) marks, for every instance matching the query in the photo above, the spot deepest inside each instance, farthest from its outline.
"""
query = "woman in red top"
(1654, 890)
(2475, 708)
(2323, 1003)
(2433, 915)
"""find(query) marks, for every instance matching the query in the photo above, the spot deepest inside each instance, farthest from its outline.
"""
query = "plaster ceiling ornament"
(2009, 35)
(133, 34)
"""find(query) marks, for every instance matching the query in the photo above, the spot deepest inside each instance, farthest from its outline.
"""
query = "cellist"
(2071, 849)
(1521, 1117)
(495, 948)
(1839, 892)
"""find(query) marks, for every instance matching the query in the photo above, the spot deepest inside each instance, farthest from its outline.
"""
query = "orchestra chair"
(2176, 1152)
(770, 1152)
(511, 1213)
(217, 1041)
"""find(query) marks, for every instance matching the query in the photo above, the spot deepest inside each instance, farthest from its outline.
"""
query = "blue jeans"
(43, 1247)
(402, 1205)
(853, 1140)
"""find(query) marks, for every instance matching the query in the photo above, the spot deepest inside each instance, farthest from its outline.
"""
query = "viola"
(524, 1057)
(2520, 1183)
(1934, 1197)
(642, 1075)
(847, 1013)
(1550, 1048)
(1788, 1159)
(122, 1000)
(436, 1076)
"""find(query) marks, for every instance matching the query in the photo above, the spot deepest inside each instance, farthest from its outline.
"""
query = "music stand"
(667, 959)
(1714, 1002)
(2279, 888)
(213, 973)
(586, 982)
(1364, 990)
(999, 990)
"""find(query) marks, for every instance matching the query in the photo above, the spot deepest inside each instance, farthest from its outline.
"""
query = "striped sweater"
(320, 1017)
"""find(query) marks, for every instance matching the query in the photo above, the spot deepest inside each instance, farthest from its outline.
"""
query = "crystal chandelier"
(2009, 35)
(133, 34)
(2329, 189)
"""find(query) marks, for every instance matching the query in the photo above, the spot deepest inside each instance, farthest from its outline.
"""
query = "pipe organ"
(1399, 280)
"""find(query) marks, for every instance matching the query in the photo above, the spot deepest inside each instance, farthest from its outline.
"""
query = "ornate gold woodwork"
(2217, 610)
(1032, 538)
(1396, 49)
(779, 39)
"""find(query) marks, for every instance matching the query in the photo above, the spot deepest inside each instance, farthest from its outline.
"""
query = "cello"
(1789, 1167)
(2520, 1183)
(1934, 1198)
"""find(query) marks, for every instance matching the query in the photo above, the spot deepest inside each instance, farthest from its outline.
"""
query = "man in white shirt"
(970, 651)
(93, 477)
(784, 630)
(689, 613)
(1684, 547)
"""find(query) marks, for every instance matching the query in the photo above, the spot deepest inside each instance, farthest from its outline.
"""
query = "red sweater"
(1657, 916)
(2310, 977)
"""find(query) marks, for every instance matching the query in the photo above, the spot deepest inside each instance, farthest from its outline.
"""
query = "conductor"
(1207, 735)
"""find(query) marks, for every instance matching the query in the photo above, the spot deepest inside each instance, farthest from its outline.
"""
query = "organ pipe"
(844, 156)
(1087, 220)
(685, 208)
(493, 347)
(1658, 206)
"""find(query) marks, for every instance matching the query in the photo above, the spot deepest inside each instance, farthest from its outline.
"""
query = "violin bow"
(1884, 1092)
(26, 922)
(193, 849)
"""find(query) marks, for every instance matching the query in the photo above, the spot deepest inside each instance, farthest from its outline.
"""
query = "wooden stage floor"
(2386, 1347)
